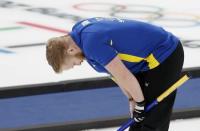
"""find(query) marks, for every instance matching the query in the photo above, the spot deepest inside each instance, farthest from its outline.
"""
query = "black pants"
(153, 83)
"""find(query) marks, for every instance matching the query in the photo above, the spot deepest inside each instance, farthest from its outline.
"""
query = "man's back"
(140, 45)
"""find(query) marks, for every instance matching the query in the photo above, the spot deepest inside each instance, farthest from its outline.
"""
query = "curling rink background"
(25, 26)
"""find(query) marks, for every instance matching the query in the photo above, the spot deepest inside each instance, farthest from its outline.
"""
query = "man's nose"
(79, 63)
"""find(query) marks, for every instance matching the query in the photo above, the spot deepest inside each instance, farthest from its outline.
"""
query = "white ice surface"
(176, 125)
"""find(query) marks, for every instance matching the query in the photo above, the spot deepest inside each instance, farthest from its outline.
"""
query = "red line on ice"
(43, 27)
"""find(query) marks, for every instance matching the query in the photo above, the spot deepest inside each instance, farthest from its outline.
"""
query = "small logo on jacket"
(86, 22)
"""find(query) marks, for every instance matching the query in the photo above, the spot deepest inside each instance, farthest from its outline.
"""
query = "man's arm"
(122, 89)
(125, 79)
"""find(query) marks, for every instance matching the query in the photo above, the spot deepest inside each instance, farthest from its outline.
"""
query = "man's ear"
(71, 50)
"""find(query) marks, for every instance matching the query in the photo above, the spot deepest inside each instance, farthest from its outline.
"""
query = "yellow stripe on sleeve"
(130, 58)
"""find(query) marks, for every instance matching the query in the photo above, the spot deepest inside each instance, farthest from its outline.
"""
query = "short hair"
(55, 52)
